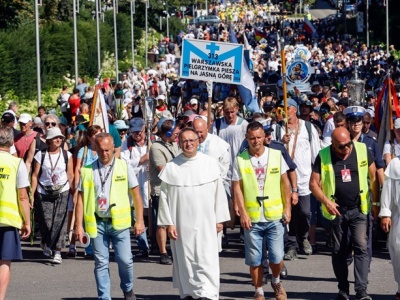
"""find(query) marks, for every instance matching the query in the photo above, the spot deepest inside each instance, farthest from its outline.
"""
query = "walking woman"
(52, 178)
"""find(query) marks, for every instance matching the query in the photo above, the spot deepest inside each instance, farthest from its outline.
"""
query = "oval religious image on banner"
(298, 71)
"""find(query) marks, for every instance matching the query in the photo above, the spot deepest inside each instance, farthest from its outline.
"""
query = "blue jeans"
(141, 240)
(123, 256)
(254, 239)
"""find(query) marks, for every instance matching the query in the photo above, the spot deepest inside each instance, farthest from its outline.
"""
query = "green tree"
(11, 12)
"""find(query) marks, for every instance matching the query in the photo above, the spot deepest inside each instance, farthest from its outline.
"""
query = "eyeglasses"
(188, 141)
(122, 131)
(54, 124)
(342, 147)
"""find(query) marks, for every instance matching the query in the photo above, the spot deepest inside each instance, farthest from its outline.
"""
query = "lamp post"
(387, 26)
(75, 42)
(147, 31)
(132, 33)
(38, 78)
(98, 37)
(115, 39)
(356, 88)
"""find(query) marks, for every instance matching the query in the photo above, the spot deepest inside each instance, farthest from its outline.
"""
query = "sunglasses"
(342, 147)
(54, 124)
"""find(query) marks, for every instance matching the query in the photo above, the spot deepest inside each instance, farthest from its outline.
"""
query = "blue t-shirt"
(89, 156)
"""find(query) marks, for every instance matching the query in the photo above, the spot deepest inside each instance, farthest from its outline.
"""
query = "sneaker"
(258, 296)
(46, 250)
(307, 249)
(362, 295)
(342, 295)
(71, 253)
(142, 254)
(57, 259)
(290, 255)
(129, 295)
(165, 259)
(284, 273)
(279, 291)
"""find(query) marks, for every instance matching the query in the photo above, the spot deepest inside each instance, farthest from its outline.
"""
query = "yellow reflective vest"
(120, 208)
(9, 206)
(273, 204)
(328, 177)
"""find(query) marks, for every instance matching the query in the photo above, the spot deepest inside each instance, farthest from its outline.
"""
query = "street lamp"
(132, 33)
(115, 39)
(98, 37)
(356, 88)
(75, 11)
(38, 78)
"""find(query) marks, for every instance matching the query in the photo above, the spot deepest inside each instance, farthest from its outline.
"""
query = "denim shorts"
(273, 233)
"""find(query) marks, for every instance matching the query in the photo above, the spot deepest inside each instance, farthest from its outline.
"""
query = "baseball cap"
(24, 118)
(7, 117)
(193, 101)
(136, 124)
(161, 121)
(290, 102)
(63, 120)
(37, 121)
(268, 128)
(397, 123)
(188, 113)
(307, 103)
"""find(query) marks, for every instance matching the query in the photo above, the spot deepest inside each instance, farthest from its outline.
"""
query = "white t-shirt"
(59, 172)
(260, 165)
(387, 148)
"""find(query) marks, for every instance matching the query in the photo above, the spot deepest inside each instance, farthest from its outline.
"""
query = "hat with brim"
(354, 113)
(53, 133)
(268, 129)
(120, 125)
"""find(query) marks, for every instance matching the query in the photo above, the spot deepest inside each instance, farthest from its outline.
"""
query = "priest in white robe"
(390, 215)
(193, 206)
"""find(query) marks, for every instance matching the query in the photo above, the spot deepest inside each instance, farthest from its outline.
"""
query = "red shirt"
(74, 104)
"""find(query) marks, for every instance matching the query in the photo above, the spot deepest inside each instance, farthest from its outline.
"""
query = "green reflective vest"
(328, 177)
(9, 206)
(273, 205)
(120, 212)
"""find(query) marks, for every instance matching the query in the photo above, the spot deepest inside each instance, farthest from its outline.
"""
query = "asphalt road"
(322, 9)
(310, 277)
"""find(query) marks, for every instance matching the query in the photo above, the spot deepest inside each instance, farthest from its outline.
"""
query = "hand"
(386, 223)
(332, 208)
(220, 226)
(144, 158)
(286, 138)
(172, 233)
(138, 228)
(288, 213)
(375, 211)
(295, 198)
(25, 231)
(245, 221)
(79, 232)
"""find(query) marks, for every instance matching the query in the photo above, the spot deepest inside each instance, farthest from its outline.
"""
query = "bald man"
(340, 182)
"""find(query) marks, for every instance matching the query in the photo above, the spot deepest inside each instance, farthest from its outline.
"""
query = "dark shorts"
(10, 245)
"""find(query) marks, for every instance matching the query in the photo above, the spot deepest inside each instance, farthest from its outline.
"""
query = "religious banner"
(298, 73)
(209, 60)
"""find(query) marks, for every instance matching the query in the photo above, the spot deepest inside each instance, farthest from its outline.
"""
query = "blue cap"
(161, 121)
(290, 102)
(120, 125)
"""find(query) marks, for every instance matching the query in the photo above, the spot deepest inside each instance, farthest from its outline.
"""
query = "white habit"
(194, 200)
(390, 207)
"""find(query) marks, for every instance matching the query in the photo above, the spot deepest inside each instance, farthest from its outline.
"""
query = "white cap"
(24, 118)
(193, 101)
(127, 101)
(354, 111)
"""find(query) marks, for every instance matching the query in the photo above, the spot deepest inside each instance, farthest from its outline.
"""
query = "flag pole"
(284, 84)
(390, 103)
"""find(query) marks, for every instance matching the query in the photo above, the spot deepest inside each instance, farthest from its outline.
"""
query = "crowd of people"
(279, 172)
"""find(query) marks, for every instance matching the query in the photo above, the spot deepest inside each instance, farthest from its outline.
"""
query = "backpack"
(278, 130)
(218, 123)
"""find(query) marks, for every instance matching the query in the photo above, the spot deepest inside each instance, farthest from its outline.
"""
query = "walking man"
(264, 208)
(340, 182)
(14, 207)
(193, 207)
(103, 204)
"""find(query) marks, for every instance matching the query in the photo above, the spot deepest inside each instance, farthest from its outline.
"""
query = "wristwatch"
(296, 190)
(376, 203)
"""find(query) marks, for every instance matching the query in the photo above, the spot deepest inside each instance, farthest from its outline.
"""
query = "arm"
(117, 152)
(387, 158)
(70, 173)
(24, 208)
(77, 172)
(30, 155)
(34, 179)
(138, 204)
(285, 192)
(319, 194)
(79, 217)
(292, 176)
(245, 221)
(374, 185)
